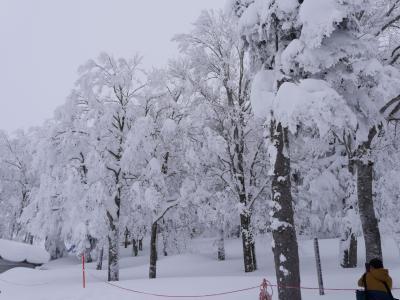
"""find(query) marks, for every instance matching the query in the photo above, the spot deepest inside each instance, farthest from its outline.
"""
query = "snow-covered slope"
(19, 252)
(195, 273)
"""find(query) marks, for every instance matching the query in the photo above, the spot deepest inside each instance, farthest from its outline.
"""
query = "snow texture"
(311, 103)
(189, 274)
(262, 93)
(319, 19)
(19, 252)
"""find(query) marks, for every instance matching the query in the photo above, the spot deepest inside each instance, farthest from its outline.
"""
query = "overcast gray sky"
(42, 43)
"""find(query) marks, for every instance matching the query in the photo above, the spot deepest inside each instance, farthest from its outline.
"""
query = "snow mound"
(19, 252)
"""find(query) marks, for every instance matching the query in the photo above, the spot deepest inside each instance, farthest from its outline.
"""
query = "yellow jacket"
(375, 279)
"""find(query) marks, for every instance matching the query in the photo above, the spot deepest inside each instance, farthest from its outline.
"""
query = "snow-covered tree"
(300, 40)
(306, 47)
(17, 179)
(279, 116)
(45, 213)
(107, 90)
(154, 156)
(219, 74)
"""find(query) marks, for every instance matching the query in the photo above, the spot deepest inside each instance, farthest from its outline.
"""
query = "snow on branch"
(170, 204)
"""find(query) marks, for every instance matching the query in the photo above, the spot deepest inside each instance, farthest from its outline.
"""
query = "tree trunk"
(153, 251)
(245, 217)
(134, 248)
(319, 267)
(247, 242)
(238, 166)
(348, 249)
(221, 245)
(113, 255)
(90, 246)
(369, 221)
(29, 239)
(126, 243)
(55, 246)
(348, 240)
(285, 246)
(164, 233)
(238, 231)
(88, 255)
(113, 238)
(253, 253)
(141, 244)
(99, 264)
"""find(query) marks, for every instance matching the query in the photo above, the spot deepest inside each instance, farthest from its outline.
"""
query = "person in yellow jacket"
(377, 280)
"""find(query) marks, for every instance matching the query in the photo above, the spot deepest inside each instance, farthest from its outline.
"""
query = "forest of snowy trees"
(279, 117)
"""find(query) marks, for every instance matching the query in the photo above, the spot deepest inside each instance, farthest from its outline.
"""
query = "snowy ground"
(189, 274)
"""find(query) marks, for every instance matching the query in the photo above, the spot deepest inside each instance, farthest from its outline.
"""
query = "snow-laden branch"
(392, 111)
(258, 194)
(170, 204)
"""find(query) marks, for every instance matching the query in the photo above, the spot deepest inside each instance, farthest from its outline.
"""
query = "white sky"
(42, 43)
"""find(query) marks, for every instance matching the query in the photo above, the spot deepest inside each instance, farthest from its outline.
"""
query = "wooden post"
(83, 271)
(319, 268)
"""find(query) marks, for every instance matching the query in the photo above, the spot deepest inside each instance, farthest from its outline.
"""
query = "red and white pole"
(83, 271)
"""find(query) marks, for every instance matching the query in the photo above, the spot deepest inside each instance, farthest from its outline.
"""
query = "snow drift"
(19, 252)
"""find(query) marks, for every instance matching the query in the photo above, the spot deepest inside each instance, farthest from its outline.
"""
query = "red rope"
(194, 296)
(183, 296)
(311, 288)
(228, 292)
(224, 293)
(317, 288)
(175, 296)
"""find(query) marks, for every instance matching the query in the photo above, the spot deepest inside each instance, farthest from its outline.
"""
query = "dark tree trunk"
(153, 251)
(88, 255)
(154, 230)
(237, 231)
(164, 233)
(319, 267)
(165, 252)
(245, 216)
(248, 243)
(221, 245)
(237, 168)
(99, 264)
(283, 229)
(134, 248)
(90, 246)
(141, 244)
(126, 243)
(29, 238)
(253, 253)
(369, 221)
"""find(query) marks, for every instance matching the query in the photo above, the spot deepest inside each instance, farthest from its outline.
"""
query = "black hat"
(376, 263)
